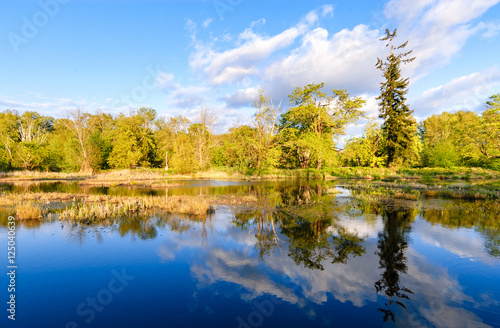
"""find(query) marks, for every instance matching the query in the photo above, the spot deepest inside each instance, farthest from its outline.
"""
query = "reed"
(101, 207)
(29, 211)
(92, 209)
(160, 176)
(431, 193)
(407, 195)
(37, 175)
(98, 212)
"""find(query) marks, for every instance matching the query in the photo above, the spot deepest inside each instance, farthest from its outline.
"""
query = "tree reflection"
(312, 243)
(307, 218)
(267, 237)
(142, 228)
(304, 193)
(392, 243)
(312, 227)
(262, 219)
(479, 215)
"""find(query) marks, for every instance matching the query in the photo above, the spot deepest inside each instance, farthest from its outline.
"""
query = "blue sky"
(175, 56)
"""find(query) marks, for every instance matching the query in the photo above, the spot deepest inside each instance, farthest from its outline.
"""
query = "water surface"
(309, 255)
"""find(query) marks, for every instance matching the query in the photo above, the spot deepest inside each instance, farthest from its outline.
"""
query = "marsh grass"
(183, 204)
(416, 190)
(407, 195)
(158, 177)
(461, 194)
(91, 212)
(235, 200)
(29, 211)
(102, 207)
(454, 173)
(36, 175)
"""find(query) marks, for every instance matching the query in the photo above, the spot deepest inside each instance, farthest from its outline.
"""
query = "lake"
(310, 254)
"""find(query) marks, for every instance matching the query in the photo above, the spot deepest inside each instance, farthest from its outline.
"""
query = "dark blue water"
(338, 263)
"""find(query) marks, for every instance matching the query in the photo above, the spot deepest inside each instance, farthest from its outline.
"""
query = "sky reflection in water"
(319, 259)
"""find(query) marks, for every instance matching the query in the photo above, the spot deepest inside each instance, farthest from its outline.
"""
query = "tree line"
(307, 135)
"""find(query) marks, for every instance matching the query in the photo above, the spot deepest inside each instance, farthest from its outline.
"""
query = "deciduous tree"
(266, 138)
(316, 119)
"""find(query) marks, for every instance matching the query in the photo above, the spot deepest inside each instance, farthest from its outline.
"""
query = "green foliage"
(24, 140)
(183, 158)
(265, 140)
(311, 127)
(463, 138)
(366, 150)
(64, 148)
(437, 133)
(235, 149)
(201, 136)
(201, 140)
(133, 140)
(399, 125)
(100, 141)
(305, 138)
(166, 135)
(442, 154)
(8, 138)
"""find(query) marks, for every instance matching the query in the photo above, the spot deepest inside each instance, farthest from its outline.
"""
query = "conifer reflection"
(392, 243)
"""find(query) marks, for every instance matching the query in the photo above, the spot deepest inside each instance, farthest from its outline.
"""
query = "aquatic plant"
(29, 211)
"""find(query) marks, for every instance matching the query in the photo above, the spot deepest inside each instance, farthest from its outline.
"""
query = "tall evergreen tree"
(399, 125)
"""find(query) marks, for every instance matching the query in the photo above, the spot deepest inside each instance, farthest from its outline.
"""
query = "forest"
(305, 136)
(310, 133)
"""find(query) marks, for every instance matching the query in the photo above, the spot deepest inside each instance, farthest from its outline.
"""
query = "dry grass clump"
(406, 195)
(332, 191)
(39, 197)
(183, 204)
(124, 175)
(36, 175)
(236, 200)
(29, 211)
(115, 207)
(214, 174)
(93, 208)
(101, 207)
(460, 194)
(96, 211)
(431, 193)
(463, 195)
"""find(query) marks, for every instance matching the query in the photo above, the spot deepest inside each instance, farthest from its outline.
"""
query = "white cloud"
(261, 21)
(242, 61)
(55, 107)
(231, 68)
(164, 80)
(191, 27)
(436, 30)
(462, 242)
(207, 22)
(468, 92)
(242, 97)
(345, 60)
(327, 11)
(178, 95)
(490, 29)
(438, 298)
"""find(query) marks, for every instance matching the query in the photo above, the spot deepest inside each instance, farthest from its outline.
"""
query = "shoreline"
(160, 178)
